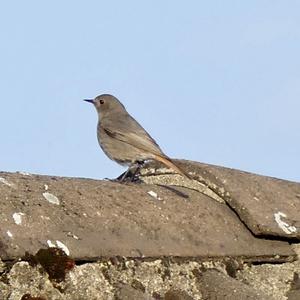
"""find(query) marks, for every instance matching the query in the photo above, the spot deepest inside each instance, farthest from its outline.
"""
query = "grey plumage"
(122, 138)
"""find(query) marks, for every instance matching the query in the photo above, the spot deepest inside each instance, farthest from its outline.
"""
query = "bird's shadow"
(132, 175)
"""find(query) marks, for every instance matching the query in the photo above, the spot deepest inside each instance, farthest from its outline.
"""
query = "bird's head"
(105, 104)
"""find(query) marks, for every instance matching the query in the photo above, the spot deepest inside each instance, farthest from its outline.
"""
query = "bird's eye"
(101, 101)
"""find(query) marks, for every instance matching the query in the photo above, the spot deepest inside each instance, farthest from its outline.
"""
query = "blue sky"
(212, 81)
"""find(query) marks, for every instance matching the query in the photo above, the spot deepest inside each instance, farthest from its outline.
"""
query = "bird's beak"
(89, 100)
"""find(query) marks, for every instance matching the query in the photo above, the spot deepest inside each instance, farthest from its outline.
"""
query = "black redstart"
(122, 138)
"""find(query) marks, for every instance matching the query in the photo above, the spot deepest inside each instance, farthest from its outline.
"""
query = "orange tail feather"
(169, 163)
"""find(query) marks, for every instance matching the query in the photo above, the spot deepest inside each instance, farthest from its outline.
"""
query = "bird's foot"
(130, 175)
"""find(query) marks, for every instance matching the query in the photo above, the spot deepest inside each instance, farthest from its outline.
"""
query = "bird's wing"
(129, 131)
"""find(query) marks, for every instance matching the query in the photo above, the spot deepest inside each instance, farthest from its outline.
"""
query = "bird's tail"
(170, 164)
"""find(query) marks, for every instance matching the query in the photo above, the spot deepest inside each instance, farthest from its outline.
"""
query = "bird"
(123, 139)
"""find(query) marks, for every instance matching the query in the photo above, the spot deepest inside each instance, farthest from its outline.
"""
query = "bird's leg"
(138, 165)
(131, 174)
(123, 177)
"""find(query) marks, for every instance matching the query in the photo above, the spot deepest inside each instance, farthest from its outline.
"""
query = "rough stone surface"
(172, 238)
(127, 292)
(157, 279)
(267, 205)
(2, 266)
(91, 219)
(4, 291)
(106, 280)
(24, 279)
(273, 280)
(175, 294)
(216, 285)
(293, 295)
